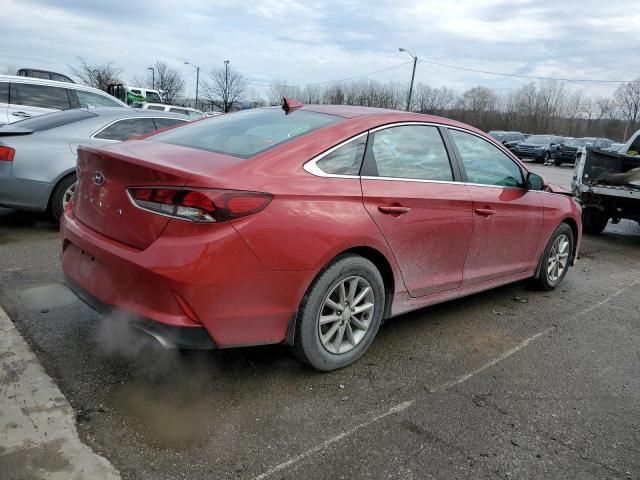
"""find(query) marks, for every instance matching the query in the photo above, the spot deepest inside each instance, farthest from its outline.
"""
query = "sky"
(301, 42)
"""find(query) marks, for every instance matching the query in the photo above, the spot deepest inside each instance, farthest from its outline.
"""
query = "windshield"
(539, 139)
(244, 134)
(498, 136)
(153, 97)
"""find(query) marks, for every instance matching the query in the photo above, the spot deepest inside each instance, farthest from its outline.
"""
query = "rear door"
(411, 192)
(508, 217)
(31, 100)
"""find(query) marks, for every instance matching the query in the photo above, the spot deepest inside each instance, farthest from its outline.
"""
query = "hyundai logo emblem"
(98, 178)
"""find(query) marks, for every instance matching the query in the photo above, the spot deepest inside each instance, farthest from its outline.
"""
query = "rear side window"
(345, 160)
(167, 122)
(126, 129)
(4, 92)
(55, 119)
(244, 134)
(412, 152)
(155, 107)
(90, 99)
(179, 110)
(42, 96)
(484, 163)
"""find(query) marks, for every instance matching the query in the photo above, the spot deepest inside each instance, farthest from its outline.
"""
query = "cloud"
(311, 41)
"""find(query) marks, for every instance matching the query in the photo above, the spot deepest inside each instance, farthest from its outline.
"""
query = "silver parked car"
(38, 156)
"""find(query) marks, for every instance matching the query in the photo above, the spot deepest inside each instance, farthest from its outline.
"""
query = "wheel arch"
(574, 228)
(63, 176)
(378, 259)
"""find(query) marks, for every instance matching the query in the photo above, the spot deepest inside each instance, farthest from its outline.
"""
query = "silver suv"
(25, 97)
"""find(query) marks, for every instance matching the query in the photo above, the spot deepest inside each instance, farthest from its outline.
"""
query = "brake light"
(200, 205)
(7, 154)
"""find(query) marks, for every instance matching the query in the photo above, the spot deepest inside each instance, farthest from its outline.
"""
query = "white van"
(25, 97)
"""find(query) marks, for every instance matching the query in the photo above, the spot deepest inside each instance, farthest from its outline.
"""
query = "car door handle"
(21, 114)
(487, 212)
(393, 210)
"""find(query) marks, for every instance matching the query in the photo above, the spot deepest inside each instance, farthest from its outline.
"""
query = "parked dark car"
(541, 148)
(508, 139)
(568, 151)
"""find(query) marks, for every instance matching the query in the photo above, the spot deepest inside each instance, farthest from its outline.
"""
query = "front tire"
(61, 195)
(556, 258)
(546, 157)
(340, 314)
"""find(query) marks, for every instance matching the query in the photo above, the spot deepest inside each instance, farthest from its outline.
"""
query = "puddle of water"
(48, 296)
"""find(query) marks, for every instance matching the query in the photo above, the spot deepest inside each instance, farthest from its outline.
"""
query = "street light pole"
(413, 76)
(226, 85)
(153, 77)
(197, 78)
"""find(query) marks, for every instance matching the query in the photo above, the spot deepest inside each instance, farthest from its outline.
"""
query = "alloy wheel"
(68, 193)
(346, 314)
(558, 258)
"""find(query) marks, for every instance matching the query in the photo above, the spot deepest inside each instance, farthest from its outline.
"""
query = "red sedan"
(306, 225)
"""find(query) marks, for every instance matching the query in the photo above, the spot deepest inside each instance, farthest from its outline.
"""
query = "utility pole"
(153, 77)
(226, 86)
(413, 76)
(197, 78)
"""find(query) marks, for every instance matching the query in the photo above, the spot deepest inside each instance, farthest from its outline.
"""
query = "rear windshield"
(55, 119)
(244, 134)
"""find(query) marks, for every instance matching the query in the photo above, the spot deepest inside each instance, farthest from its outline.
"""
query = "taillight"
(200, 205)
(7, 154)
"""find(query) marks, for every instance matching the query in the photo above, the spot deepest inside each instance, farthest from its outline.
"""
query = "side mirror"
(535, 182)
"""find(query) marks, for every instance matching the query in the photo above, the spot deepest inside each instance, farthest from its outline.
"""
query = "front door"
(409, 190)
(508, 217)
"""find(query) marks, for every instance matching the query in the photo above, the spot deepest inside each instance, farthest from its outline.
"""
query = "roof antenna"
(289, 104)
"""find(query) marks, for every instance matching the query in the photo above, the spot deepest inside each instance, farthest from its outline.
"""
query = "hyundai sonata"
(306, 225)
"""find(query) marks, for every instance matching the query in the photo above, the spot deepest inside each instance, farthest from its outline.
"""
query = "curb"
(38, 435)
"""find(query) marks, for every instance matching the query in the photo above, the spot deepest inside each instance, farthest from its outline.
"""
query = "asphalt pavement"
(510, 383)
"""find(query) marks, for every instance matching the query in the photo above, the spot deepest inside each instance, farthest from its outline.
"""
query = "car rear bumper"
(168, 336)
(209, 281)
(22, 194)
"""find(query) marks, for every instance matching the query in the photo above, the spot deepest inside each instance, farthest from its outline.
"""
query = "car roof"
(132, 112)
(169, 106)
(53, 83)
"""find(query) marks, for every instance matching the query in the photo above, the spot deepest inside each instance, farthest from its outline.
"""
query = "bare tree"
(165, 79)
(9, 70)
(627, 96)
(97, 76)
(281, 89)
(225, 87)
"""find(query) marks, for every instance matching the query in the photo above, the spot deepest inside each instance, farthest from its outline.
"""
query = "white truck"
(607, 185)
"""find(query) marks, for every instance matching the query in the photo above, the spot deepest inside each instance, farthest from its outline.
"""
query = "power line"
(331, 81)
(533, 77)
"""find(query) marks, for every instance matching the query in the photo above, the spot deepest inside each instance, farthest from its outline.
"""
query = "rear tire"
(334, 326)
(594, 220)
(557, 162)
(555, 259)
(61, 195)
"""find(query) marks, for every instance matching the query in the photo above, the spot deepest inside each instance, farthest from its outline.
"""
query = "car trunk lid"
(101, 201)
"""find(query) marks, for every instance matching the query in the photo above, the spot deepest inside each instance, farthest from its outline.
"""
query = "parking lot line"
(393, 410)
(461, 379)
